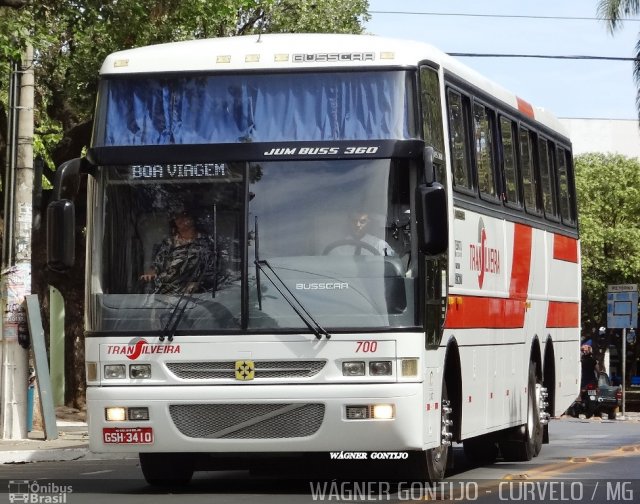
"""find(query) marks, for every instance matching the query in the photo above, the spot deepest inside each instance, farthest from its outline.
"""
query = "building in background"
(617, 136)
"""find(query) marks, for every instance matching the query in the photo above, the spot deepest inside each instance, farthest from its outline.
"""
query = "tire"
(526, 441)
(432, 463)
(611, 414)
(167, 469)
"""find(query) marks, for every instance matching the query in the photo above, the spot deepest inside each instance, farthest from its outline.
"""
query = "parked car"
(596, 399)
(608, 397)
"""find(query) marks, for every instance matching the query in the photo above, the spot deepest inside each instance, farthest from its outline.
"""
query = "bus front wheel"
(167, 469)
(433, 462)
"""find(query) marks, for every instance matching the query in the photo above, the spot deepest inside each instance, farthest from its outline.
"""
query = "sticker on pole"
(622, 306)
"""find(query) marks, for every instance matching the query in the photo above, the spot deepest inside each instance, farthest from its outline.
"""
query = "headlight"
(357, 412)
(138, 413)
(115, 414)
(371, 412)
(140, 371)
(115, 371)
(353, 368)
(383, 411)
(380, 368)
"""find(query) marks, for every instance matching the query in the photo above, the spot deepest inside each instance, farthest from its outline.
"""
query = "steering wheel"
(352, 242)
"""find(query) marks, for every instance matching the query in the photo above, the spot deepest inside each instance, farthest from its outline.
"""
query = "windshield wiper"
(175, 317)
(177, 312)
(256, 247)
(307, 318)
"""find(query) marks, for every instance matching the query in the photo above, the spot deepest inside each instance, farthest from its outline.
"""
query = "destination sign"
(178, 171)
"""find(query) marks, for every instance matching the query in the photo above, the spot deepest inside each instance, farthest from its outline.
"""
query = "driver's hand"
(147, 277)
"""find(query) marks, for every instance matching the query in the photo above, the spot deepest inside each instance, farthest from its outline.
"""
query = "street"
(587, 461)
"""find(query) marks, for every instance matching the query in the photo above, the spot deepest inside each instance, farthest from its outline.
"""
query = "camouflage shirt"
(196, 263)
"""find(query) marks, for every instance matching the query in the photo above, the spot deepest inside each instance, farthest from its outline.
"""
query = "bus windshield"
(201, 109)
(335, 235)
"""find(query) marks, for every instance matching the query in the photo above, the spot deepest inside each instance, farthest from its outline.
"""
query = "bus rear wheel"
(167, 469)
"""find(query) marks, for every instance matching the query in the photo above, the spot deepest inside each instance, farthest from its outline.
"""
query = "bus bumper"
(264, 418)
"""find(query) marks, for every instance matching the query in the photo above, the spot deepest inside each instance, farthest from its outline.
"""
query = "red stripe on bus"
(521, 264)
(485, 312)
(498, 313)
(525, 107)
(562, 314)
(565, 248)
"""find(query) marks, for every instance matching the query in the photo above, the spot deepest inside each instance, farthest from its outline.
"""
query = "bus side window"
(547, 180)
(459, 142)
(432, 125)
(529, 184)
(509, 158)
(566, 201)
(484, 150)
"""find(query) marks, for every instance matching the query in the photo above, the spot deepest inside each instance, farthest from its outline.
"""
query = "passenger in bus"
(187, 261)
(360, 240)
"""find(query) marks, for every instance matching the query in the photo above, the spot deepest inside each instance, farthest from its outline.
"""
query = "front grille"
(247, 421)
(225, 370)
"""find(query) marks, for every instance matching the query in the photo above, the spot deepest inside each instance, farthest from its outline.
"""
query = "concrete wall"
(618, 136)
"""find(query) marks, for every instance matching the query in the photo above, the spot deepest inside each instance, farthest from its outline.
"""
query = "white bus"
(452, 316)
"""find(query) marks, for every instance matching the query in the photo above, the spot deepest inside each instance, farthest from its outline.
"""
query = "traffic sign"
(623, 288)
(622, 306)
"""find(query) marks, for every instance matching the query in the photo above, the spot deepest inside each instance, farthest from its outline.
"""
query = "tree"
(614, 12)
(13, 3)
(608, 189)
(71, 39)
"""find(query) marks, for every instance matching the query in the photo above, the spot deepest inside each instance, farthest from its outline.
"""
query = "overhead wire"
(510, 16)
(519, 16)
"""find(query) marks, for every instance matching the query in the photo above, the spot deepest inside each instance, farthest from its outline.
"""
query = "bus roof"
(305, 51)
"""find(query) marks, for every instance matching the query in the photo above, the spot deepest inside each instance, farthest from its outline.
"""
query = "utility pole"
(16, 265)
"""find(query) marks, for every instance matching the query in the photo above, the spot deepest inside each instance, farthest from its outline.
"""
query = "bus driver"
(359, 240)
(186, 261)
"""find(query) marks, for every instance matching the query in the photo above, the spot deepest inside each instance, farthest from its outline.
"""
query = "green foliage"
(608, 188)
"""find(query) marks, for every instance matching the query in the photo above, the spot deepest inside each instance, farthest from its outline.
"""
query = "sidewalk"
(72, 442)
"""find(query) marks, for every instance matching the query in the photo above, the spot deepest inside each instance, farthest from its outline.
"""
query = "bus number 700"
(367, 346)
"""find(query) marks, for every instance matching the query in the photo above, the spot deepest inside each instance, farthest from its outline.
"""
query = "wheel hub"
(542, 395)
(446, 435)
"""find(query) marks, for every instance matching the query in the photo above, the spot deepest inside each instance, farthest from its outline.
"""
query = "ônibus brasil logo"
(482, 258)
(140, 346)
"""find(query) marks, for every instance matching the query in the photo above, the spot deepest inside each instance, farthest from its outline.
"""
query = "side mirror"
(67, 178)
(61, 235)
(431, 217)
(427, 161)
(61, 214)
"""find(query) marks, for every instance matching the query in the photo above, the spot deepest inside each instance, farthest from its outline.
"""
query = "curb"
(46, 455)
(59, 455)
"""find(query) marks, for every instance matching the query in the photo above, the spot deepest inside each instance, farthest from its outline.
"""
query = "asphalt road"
(587, 461)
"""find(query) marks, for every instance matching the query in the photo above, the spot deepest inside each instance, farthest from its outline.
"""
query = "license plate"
(127, 435)
(591, 392)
